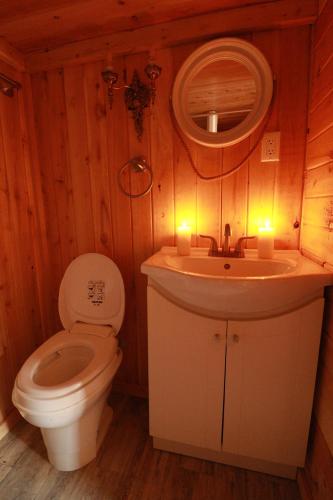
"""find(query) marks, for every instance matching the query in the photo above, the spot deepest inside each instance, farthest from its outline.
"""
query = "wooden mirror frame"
(236, 50)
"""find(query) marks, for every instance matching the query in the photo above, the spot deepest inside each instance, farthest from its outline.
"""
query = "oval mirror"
(222, 92)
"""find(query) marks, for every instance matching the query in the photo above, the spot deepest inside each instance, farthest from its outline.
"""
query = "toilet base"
(71, 447)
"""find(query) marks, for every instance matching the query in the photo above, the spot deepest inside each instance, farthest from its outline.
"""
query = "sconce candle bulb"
(110, 77)
(153, 72)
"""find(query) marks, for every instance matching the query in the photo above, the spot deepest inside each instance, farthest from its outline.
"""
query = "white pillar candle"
(184, 239)
(265, 243)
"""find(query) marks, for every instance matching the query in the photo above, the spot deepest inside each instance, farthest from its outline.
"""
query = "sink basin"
(232, 288)
(224, 267)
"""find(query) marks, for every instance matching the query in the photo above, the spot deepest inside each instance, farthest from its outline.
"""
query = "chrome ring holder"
(139, 165)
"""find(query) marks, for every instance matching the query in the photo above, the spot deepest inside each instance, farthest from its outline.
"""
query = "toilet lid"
(92, 291)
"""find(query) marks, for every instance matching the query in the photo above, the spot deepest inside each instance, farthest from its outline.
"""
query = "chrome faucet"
(226, 243)
(238, 251)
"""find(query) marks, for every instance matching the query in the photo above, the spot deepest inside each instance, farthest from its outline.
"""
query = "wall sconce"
(110, 77)
(7, 85)
(137, 95)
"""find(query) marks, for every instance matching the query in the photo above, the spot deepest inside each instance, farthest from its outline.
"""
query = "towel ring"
(138, 165)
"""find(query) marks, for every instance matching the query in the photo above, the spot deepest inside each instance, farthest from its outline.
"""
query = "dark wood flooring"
(127, 467)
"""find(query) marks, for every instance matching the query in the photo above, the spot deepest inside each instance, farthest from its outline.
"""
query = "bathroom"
(62, 145)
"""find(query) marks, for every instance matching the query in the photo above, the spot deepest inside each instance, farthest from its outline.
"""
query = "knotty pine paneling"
(317, 238)
(270, 15)
(41, 25)
(20, 319)
(81, 144)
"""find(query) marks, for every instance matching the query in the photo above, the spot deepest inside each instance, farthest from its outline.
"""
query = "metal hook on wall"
(7, 85)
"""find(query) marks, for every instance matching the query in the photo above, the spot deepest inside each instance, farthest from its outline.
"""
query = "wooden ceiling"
(35, 25)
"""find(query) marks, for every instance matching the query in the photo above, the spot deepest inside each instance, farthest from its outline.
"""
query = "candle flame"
(267, 228)
(184, 228)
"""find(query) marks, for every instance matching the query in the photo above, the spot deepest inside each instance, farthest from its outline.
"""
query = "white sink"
(233, 288)
(203, 265)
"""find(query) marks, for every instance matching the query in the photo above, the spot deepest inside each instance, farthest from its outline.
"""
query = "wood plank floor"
(127, 467)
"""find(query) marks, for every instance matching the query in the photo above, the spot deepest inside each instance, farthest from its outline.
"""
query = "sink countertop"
(237, 288)
(302, 265)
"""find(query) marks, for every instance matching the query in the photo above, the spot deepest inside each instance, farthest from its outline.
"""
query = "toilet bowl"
(63, 386)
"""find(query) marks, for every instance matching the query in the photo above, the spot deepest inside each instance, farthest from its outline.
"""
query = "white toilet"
(63, 386)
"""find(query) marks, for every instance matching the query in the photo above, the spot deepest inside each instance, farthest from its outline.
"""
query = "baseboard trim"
(11, 420)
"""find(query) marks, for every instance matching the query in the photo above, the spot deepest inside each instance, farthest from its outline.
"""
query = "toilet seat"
(59, 411)
(62, 402)
(103, 351)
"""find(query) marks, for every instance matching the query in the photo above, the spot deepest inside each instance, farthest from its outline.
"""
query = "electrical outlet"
(270, 147)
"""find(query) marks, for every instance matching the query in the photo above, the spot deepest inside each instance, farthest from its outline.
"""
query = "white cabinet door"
(186, 354)
(270, 377)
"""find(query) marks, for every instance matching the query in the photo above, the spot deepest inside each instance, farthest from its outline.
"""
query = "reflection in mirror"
(225, 86)
(221, 95)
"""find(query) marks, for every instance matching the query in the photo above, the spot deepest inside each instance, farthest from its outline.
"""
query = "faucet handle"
(213, 249)
(239, 251)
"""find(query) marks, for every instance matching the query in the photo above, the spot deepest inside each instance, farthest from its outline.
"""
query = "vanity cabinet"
(186, 355)
(242, 388)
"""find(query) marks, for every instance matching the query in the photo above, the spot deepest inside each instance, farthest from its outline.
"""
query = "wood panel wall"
(317, 238)
(20, 320)
(80, 145)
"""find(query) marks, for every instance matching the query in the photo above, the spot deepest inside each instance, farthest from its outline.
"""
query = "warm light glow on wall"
(186, 218)
(261, 217)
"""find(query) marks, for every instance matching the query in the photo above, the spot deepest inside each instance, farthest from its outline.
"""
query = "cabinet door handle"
(217, 336)
(235, 338)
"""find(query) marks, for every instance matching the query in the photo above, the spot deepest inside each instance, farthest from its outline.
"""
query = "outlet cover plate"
(270, 147)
